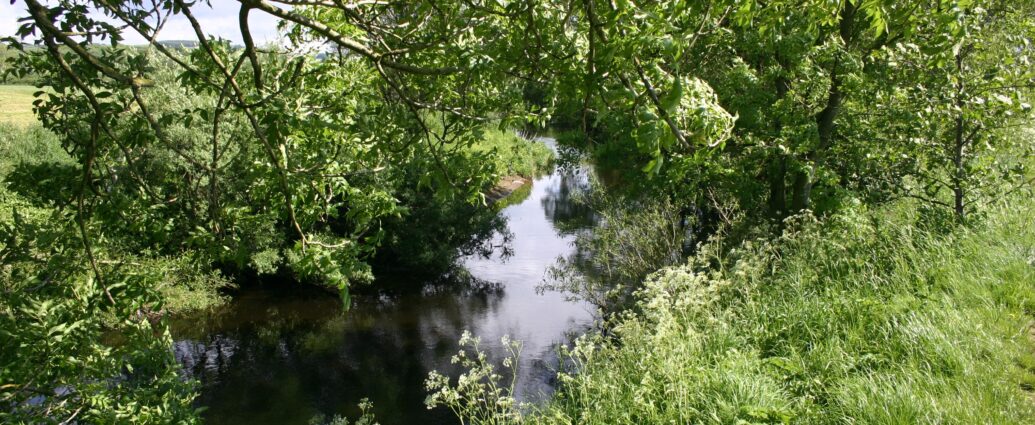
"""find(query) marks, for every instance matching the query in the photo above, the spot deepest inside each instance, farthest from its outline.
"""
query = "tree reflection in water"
(281, 355)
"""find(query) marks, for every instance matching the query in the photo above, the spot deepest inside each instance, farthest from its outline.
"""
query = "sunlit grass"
(867, 317)
(513, 154)
(16, 105)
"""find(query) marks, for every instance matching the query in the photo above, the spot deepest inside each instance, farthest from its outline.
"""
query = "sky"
(218, 20)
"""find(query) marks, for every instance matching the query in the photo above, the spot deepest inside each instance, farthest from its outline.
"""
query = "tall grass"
(29, 144)
(865, 317)
(26, 146)
(632, 238)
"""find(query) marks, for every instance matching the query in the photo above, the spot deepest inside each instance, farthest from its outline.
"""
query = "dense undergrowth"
(30, 190)
(868, 316)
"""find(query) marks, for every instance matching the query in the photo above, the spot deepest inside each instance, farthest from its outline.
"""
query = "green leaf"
(670, 102)
(346, 298)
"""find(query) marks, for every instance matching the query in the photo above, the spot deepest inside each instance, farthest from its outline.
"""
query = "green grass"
(184, 285)
(864, 318)
(26, 145)
(16, 105)
(514, 155)
(29, 144)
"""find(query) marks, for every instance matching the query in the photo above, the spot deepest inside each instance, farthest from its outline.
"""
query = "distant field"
(16, 104)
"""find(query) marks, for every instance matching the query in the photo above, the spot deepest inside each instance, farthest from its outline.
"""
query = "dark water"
(283, 355)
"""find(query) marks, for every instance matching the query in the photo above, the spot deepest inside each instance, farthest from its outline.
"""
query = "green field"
(16, 104)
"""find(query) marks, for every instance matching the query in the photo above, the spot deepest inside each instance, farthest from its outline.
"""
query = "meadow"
(16, 105)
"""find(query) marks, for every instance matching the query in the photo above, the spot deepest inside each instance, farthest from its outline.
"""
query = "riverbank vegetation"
(820, 211)
(873, 316)
(864, 259)
(149, 278)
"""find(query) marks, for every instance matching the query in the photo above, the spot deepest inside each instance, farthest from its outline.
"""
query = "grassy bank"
(867, 317)
(513, 155)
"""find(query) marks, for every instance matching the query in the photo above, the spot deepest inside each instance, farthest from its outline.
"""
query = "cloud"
(219, 20)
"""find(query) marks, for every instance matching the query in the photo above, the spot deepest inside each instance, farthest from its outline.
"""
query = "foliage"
(81, 349)
(633, 91)
(512, 155)
(56, 314)
(374, 129)
(833, 100)
(958, 96)
(433, 229)
(274, 160)
(6, 54)
(864, 316)
(29, 145)
(365, 417)
(632, 239)
(184, 284)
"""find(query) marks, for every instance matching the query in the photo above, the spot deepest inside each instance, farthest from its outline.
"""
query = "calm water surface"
(283, 355)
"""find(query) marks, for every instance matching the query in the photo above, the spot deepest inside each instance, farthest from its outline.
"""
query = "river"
(282, 354)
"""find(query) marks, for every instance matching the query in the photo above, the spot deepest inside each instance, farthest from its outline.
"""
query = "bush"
(185, 285)
(30, 144)
(436, 228)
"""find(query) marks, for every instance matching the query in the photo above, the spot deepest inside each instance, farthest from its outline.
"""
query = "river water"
(282, 355)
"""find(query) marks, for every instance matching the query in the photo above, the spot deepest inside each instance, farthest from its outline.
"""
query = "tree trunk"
(777, 186)
(801, 189)
(777, 171)
(825, 125)
(826, 120)
(959, 172)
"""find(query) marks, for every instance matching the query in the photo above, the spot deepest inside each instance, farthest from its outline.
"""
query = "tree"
(959, 94)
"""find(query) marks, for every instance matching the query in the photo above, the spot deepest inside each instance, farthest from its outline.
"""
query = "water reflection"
(281, 355)
(568, 216)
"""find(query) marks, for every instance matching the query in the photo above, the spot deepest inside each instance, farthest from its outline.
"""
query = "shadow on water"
(281, 354)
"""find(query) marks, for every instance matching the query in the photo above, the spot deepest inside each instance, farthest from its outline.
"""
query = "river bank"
(867, 316)
(507, 186)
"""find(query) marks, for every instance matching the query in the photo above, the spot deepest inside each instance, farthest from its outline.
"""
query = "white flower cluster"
(480, 395)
